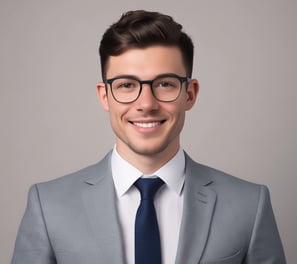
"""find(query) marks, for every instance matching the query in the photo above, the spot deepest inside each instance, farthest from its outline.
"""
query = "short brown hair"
(140, 29)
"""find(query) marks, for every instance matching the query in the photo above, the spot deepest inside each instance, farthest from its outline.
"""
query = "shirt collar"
(124, 174)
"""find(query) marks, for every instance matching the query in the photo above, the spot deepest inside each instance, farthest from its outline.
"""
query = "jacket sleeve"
(32, 243)
(265, 244)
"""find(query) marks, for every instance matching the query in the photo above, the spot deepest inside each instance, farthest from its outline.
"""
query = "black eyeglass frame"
(150, 82)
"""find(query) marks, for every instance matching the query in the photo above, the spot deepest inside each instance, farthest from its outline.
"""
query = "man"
(200, 215)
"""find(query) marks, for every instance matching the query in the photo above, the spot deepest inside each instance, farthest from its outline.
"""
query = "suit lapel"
(199, 204)
(100, 205)
(99, 201)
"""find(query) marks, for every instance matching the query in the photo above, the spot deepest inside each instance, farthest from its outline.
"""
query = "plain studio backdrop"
(243, 123)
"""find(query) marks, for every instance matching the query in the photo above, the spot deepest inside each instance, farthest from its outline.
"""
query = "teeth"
(147, 125)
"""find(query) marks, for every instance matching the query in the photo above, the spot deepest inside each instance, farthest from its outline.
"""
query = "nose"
(146, 101)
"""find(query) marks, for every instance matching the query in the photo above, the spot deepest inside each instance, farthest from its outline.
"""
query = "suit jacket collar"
(199, 204)
(100, 171)
(100, 204)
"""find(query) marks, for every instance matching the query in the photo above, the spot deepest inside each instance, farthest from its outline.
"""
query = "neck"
(146, 163)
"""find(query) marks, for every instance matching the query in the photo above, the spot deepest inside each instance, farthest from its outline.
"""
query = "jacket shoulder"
(220, 181)
(91, 174)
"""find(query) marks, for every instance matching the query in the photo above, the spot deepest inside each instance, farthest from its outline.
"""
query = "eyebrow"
(129, 76)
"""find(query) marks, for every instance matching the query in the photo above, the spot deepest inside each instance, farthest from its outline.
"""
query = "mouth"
(147, 124)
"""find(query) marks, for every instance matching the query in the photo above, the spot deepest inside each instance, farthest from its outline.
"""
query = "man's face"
(146, 126)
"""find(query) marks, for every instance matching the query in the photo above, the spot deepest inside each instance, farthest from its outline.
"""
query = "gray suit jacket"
(73, 220)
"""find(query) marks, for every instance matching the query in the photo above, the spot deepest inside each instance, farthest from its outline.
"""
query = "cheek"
(180, 106)
(114, 120)
(178, 114)
(117, 111)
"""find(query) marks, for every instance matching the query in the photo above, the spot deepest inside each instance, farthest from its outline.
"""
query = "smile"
(147, 125)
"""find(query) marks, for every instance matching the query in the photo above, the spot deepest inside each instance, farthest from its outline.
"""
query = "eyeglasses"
(127, 89)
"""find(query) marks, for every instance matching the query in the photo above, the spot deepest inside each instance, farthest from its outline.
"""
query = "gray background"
(244, 121)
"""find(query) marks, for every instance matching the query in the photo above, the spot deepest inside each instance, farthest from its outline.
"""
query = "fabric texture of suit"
(73, 220)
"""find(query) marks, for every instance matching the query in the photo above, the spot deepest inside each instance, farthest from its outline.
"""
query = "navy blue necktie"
(147, 238)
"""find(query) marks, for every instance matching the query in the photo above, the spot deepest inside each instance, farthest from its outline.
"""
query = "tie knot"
(148, 187)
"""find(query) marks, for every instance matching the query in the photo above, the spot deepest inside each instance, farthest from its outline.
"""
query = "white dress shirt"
(168, 202)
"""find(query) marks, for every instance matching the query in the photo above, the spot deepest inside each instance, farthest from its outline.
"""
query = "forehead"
(147, 62)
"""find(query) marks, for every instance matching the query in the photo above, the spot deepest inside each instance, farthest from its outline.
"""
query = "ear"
(102, 95)
(192, 93)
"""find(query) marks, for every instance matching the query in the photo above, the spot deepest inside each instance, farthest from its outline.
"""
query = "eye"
(166, 83)
(125, 84)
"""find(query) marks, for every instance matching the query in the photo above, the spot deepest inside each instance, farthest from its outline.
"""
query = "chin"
(148, 151)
